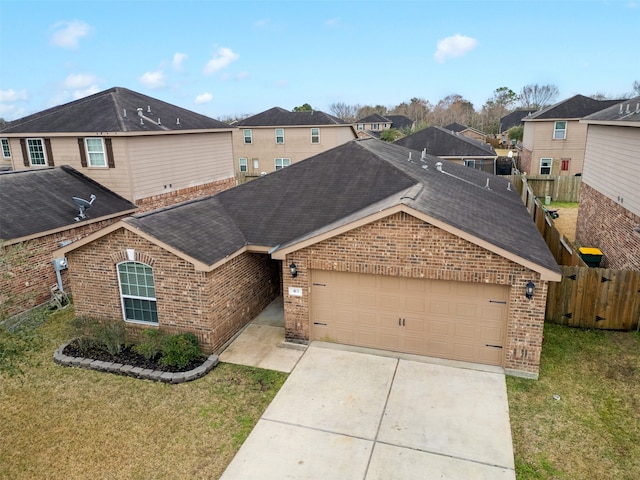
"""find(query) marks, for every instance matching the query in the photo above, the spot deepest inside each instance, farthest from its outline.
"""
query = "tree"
(303, 108)
(348, 113)
(636, 87)
(367, 110)
(516, 133)
(538, 96)
(390, 135)
(496, 107)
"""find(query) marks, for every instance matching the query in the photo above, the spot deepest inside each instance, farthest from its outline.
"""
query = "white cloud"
(11, 95)
(68, 34)
(178, 58)
(85, 92)
(11, 112)
(153, 79)
(221, 59)
(454, 46)
(79, 80)
(204, 98)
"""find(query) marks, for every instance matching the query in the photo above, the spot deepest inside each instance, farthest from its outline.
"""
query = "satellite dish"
(83, 205)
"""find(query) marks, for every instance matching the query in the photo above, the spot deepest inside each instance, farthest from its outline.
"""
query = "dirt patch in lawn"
(566, 222)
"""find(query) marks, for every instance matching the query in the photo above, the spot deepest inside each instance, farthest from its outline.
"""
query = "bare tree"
(538, 96)
(343, 111)
(636, 87)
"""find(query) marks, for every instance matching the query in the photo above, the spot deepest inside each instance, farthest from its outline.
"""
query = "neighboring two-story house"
(277, 138)
(513, 119)
(609, 214)
(554, 139)
(148, 151)
(374, 125)
(454, 147)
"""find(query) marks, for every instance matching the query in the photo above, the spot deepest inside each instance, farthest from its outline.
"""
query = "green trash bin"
(591, 256)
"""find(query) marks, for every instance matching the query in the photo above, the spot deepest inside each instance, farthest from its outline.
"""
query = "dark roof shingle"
(277, 116)
(577, 106)
(36, 201)
(443, 143)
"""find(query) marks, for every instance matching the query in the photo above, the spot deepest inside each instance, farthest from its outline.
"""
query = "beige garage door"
(455, 320)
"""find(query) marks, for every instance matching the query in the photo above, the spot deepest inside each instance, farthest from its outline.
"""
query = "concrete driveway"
(347, 414)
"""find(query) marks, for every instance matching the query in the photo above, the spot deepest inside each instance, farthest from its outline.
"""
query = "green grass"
(593, 429)
(61, 422)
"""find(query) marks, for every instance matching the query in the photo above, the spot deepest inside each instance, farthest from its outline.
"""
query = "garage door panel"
(446, 319)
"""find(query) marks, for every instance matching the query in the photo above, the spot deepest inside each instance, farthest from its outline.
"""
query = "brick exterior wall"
(213, 305)
(191, 193)
(26, 268)
(402, 245)
(605, 224)
(526, 161)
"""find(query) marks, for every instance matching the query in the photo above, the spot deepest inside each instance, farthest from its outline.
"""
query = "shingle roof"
(627, 111)
(400, 121)
(374, 118)
(443, 143)
(37, 201)
(341, 184)
(514, 119)
(277, 116)
(113, 110)
(577, 106)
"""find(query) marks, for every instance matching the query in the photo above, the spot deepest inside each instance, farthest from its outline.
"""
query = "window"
(95, 152)
(545, 166)
(360, 126)
(243, 164)
(247, 136)
(282, 162)
(565, 164)
(315, 135)
(256, 164)
(6, 152)
(279, 136)
(375, 126)
(470, 163)
(137, 292)
(36, 151)
(560, 131)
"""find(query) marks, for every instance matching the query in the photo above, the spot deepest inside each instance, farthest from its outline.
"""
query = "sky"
(224, 58)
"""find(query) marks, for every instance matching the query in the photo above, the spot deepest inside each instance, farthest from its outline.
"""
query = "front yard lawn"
(61, 422)
(592, 429)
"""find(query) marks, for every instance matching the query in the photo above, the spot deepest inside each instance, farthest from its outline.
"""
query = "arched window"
(138, 292)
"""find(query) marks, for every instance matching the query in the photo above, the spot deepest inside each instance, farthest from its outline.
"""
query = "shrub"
(180, 350)
(84, 332)
(110, 335)
(151, 343)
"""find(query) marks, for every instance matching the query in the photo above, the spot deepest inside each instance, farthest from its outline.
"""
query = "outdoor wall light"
(530, 288)
(293, 269)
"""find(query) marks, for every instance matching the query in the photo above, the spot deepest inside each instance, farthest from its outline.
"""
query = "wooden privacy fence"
(559, 188)
(586, 297)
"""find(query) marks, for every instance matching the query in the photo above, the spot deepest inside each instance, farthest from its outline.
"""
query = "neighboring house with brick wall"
(149, 151)
(453, 147)
(38, 216)
(554, 139)
(609, 213)
(369, 245)
(277, 138)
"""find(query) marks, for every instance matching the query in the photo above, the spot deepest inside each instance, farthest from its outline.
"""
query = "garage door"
(455, 320)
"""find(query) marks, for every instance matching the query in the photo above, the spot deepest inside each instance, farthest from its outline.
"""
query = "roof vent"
(139, 111)
(148, 108)
(124, 113)
(509, 187)
(487, 185)
(439, 166)
(177, 121)
(423, 156)
(621, 109)
(627, 109)
(159, 122)
(141, 121)
(637, 107)
(409, 159)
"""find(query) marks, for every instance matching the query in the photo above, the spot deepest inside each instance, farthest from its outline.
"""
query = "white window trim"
(241, 164)
(275, 163)
(250, 136)
(563, 130)
(105, 163)
(277, 136)
(550, 166)
(315, 136)
(122, 296)
(5, 141)
(471, 163)
(44, 153)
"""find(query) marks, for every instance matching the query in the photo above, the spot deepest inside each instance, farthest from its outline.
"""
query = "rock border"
(131, 371)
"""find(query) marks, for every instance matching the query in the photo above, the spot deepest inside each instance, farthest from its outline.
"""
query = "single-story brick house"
(368, 245)
(37, 216)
